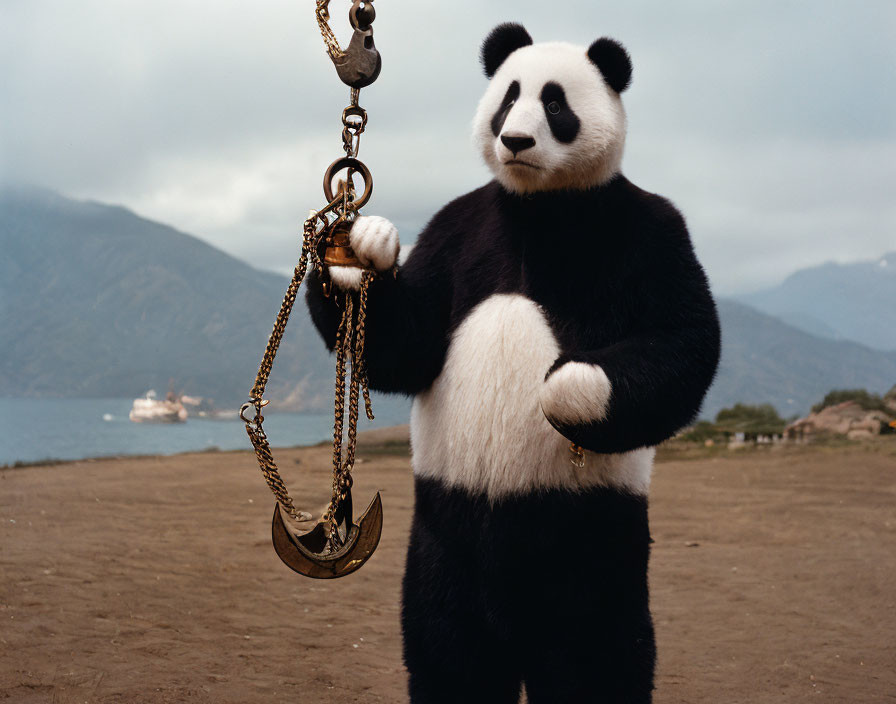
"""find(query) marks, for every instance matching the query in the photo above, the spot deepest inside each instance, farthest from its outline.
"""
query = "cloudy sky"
(772, 124)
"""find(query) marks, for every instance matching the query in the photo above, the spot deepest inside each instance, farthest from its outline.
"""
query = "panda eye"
(554, 107)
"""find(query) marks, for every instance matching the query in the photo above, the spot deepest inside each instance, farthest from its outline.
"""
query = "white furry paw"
(346, 277)
(575, 394)
(375, 241)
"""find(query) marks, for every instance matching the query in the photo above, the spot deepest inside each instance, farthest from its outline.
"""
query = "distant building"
(848, 419)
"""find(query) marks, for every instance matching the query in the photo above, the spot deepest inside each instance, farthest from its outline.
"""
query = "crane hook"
(360, 63)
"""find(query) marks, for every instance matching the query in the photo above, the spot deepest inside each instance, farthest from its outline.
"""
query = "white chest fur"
(480, 425)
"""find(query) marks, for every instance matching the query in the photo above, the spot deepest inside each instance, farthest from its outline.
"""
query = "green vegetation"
(703, 431)
(763, 420)
(750, 420)
(866, 400)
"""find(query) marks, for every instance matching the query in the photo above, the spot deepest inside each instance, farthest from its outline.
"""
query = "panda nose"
(517, 144)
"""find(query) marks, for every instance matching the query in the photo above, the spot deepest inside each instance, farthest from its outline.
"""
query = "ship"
(150, 409)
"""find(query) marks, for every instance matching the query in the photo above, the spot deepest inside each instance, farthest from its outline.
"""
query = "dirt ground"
(153, 580)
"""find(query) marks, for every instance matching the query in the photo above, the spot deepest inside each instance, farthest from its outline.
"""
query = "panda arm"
(642, 389)
(407, 316)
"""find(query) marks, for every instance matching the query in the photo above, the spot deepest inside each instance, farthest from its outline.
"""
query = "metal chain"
(353, 128)
(323, 18)
(367, 277)
(254, 426)
(343, 345)
(289, 300)
(349, 352)
(356, 351)
(350, 335)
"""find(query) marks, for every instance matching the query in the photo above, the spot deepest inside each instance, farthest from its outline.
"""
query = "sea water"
(32, 430)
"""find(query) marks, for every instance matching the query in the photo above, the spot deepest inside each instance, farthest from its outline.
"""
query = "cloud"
(759, 209)
(770, 125)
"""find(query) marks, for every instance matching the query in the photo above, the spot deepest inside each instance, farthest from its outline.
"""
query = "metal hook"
(360, 63)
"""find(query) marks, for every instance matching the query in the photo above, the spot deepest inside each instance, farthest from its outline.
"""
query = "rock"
(847, 418)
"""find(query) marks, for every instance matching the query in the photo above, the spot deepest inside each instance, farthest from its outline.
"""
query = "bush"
(750, 420)
(866, 400)
(701, 432)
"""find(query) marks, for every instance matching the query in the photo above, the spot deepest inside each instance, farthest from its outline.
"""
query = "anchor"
(307, 554)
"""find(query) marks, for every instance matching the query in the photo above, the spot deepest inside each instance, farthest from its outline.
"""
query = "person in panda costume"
(557, 307)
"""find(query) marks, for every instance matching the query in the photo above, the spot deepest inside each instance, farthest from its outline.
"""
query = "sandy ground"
(153, 580)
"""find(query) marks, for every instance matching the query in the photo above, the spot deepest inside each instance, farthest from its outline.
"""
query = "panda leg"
(613, 667)
(452, 655)
(431, 688)
(587, 622)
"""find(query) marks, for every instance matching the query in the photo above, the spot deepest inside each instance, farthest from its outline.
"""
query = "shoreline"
(399, 435)
(388, 435)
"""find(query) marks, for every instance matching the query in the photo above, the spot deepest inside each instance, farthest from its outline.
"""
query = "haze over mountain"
(854, 301)
(97, 301)
(765, 360)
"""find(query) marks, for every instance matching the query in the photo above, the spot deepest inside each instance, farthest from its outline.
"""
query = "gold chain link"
(349, 352)
(254, 426)
(359, 348)
(323, 19)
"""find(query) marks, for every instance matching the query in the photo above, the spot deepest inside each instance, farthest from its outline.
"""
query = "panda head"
(551, 118)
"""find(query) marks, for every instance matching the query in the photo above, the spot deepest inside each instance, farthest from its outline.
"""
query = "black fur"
(563, 121)
(623, 289)
(501, 42)
(500, 116)
(613, 61)
(549, 589)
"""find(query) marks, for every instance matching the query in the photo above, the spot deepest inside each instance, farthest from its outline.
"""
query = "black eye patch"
(562, 120)
(510, 97)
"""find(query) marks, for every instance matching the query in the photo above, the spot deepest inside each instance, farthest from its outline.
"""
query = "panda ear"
(501, 42)
(613, 61)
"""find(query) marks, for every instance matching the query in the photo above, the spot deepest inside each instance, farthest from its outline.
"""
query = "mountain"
(765, 360)
(96, 301)
(838, 301)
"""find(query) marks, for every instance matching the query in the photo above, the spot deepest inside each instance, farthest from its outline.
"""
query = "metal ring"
(257, 404)
(353, 15)
(348, 162)
(245, 407)
(354, 111)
